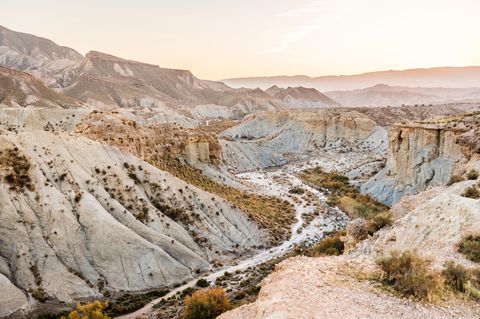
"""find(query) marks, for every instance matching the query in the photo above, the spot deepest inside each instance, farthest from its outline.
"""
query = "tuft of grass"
(470, 247)
(331, 245)
(409, 275)
(462, 279)
(455, 179)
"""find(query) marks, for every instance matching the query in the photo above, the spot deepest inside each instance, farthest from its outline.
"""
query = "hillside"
(300, 97)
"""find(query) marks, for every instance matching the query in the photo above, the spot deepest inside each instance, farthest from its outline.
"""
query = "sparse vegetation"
(206, 304)
(202, 283)
(131, 302)
(330, 245)
(342, 194)
(409, 275)
(470, 247)
(15, 168)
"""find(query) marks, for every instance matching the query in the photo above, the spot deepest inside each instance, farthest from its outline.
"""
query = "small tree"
(206, 304)
(93, 310)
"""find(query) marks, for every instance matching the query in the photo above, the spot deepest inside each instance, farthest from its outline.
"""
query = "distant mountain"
(20, 89)
(456, 77)
(383, 95)
(300, 97)
(33, 54)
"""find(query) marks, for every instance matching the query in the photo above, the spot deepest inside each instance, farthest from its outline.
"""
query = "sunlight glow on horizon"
(218, 39)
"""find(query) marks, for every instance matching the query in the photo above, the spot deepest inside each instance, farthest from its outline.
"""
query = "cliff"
(424, 154)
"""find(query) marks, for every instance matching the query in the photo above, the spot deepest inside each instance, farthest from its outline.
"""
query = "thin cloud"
(319, 14)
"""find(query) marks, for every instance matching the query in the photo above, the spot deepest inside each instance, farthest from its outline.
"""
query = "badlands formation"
(122, 180)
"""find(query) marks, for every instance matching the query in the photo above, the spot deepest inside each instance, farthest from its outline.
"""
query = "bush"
(472, 175)
(455, 179)
(470, 247)
(471, 192)
(206, 304)
(92, 310)
(379, 221)
(203, 283)
(462, 279)
(358, 229)
(331, 245)
(409, 275)
(296, 190)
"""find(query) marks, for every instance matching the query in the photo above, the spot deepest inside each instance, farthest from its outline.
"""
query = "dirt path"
(275, 183)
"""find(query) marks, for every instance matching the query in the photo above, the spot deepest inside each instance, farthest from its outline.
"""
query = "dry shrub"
(409, 275)
(471, 192)
(206, 304)
(331, 245)
(379, 221)
(92, 310)
(470, 247)
(462, 279)
(455, 179)
(358, 229)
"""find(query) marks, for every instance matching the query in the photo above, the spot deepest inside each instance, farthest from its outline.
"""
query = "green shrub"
(409, 275)
(472, 174)
(202, 283)
(296, 190)
(206, 304)
(470, 247)
(331, 245)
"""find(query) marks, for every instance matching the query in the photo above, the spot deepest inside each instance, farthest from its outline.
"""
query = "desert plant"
(472, 174)
(462, 279)
(358, 229)
(331, 245)
(379, 221)
(93, 310)
(409, 275)
(202, 283)
(471, 192)
(455, 179)
(206, 304)
(470, 247)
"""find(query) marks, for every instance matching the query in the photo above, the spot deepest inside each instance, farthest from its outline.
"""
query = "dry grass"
(470, 247)
(343, 195)
(206, 304)
(331, 245)
(410, 276)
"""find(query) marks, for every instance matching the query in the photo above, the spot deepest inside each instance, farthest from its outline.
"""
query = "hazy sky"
(217, 39)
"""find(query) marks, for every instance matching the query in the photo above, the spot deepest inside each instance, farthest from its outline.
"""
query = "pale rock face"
(419, 156)
(270, 139)
(87, 219)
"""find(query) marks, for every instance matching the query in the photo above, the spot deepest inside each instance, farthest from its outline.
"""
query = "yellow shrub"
(206, 304)
(93, 310)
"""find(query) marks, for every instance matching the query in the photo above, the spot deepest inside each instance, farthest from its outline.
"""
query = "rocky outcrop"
(79, 218)
(270, 139)
(422, 155)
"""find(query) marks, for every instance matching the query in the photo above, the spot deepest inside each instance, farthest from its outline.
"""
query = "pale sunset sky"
(218, 39)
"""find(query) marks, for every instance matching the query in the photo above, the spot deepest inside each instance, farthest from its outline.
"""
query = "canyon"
(121, 178)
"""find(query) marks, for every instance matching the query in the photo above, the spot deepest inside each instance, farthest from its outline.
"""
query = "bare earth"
(308, 288)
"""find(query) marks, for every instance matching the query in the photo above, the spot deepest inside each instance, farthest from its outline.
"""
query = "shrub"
(358, 229)
(471, 192)
(92, 310)
(131, 302)
(462, 279)
(331, 245)
(206, 304)
(470, 247)
(409, 275)
(379, 221)
(203, 283)
(296, 190)
(455, 179)
(472, 174)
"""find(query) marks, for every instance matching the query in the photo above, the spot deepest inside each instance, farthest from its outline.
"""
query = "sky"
(218, 39)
